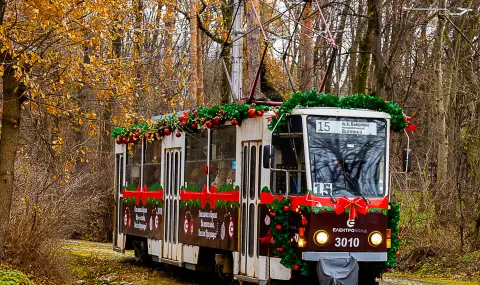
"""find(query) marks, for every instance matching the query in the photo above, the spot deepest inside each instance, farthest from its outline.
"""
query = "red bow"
(142, 194)
(355, 205)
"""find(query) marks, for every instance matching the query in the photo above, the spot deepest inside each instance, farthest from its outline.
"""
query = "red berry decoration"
(137, 134)
(296, 267)
(259, 113)
(254, 105)
(235, 122)
(125, 140)
(118, 140)
(278, 227)
(208, 124)
(272, 214)
(252, 113)
(216, 121)
(167, 132)
(178, 134)
(388, 269)
(286, 208)
(398, 253)
(280, 249)
(222, 112)
(184, 123)
(194, 126)
(202, 121)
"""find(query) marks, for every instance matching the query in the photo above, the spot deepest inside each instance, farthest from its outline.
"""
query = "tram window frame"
(290, 134)
(222, 158)
(156, 161)
(194, 166)
(134, 162)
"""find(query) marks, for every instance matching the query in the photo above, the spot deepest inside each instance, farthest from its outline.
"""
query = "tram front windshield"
(347, 156)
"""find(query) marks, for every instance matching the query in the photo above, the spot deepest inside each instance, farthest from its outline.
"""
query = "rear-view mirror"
(268, 156)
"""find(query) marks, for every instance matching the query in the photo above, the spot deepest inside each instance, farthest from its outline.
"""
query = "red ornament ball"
(286, 208)
(137, 134)
(252, 113)
(216, 121)
(272, 214)
(234, 122)
(304, 221)
(125, 140)
(184, 123)
(193, 126)
(398, 253)
(167, 132)
(208, 124)
(254, 105)
(259, 113)
(222, 112)
(388, 269)
(118, 140)
(280, 249)
(296, 267)
(178, 134)
(278, 227)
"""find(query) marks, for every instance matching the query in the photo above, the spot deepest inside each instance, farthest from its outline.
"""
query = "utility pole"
(237, 50)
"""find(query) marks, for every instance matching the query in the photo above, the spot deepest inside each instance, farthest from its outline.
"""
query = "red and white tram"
(261, 205)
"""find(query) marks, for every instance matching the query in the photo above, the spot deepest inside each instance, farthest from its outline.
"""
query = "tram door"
(251, 170)
(172, 176)
(118, 202)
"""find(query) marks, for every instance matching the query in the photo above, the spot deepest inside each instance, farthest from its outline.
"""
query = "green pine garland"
(312, 98)
(393, 221)
(210, 117)
(190, 121)
(280, 211)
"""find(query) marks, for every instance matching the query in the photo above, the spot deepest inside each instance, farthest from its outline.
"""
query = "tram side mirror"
(407, 160)
(268, 156)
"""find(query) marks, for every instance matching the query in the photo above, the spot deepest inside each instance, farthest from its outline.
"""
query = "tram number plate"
(347, 242)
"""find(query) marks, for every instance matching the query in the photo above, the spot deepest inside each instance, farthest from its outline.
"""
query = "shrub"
(13, 277)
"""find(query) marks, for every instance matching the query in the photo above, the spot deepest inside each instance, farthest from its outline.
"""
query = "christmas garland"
(210, 117)
(393, 221)
(190, 121)
(312, 98)
(279, 210)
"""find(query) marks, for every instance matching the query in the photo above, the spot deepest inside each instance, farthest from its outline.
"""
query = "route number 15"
(322, 126)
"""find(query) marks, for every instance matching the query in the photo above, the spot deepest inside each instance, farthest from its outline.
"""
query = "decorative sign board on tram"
(346, 127)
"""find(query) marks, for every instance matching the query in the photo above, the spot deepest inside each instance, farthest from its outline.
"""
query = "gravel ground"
(97, 263)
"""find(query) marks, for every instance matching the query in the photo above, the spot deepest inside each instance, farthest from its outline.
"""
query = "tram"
(260, 202)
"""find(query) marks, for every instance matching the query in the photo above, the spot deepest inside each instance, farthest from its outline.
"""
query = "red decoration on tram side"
(278, 227)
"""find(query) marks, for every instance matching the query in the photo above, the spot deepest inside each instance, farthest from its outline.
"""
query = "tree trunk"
(193, 52)
(366, 48)
(306, 66)
(253, 48)
(10, 135)
(200, 95)
(441, 98)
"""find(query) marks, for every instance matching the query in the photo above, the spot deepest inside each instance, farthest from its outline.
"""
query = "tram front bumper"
(360, 256)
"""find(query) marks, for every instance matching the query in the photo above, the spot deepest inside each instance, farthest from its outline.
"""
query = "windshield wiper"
(351, 182)
(316, 176)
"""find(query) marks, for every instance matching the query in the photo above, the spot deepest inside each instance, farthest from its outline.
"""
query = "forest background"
(73, 69)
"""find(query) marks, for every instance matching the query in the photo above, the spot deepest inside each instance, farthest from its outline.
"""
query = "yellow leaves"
(2, 69)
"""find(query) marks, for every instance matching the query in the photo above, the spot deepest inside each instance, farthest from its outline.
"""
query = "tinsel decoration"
(281, 235)
(312, 98)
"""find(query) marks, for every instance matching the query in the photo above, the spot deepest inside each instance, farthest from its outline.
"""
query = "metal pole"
(237, 51)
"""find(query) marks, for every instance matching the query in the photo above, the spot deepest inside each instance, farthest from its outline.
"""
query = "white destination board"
(346, 127)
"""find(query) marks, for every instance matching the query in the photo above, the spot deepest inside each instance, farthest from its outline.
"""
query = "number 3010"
(347, 242)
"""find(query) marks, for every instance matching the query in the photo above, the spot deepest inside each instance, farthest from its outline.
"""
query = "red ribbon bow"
(354, 206)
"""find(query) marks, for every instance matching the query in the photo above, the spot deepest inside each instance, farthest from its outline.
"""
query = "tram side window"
(289, 155)
(222, 160)
(152, 164)
(134, 161)
(196, 159)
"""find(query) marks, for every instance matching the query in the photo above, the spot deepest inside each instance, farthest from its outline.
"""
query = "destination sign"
(346, 127)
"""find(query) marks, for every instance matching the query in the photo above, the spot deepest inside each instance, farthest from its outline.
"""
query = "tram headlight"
(375, 238)
(321, 237)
